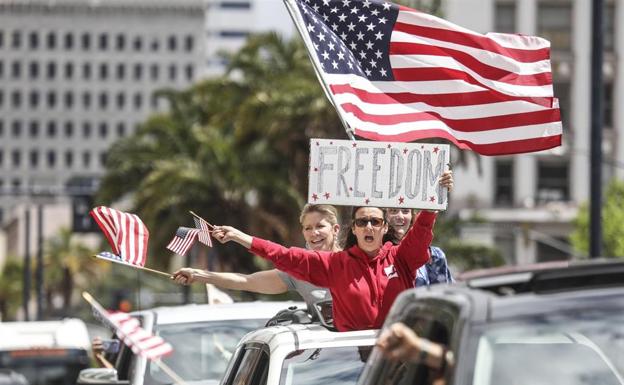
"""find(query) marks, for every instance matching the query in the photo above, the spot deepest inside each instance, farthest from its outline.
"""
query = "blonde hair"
(329, 212)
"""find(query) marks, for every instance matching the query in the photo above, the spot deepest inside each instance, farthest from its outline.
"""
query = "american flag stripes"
(126, 234)
(138, 339)
(396, 74)
(183, 240)
(204, 233)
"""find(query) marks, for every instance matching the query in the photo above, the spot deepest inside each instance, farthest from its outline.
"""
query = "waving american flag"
(126, 233)
(397, 74)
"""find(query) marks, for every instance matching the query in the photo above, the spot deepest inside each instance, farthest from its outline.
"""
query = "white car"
(203, 339)
(299, 354)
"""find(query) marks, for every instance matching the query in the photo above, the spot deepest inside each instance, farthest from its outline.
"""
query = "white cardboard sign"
(379, 174)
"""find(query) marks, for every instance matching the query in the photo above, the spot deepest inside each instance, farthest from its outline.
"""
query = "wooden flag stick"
(198, 217)
(165, 368)
(168, 275)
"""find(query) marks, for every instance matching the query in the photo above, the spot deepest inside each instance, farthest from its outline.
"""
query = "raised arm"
(265, 282)
(414, 248)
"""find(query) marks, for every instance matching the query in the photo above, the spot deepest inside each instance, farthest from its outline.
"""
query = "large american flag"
(183, 239)
(126, 234)
(397, 74)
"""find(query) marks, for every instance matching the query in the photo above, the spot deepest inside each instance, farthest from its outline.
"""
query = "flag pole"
(299, 23)
(198, 217)
(134, 266)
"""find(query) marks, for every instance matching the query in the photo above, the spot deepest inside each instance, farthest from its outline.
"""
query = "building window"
(562, 91)
(1, 69)
(1, 128)
(16, 99)
(69, 41)
(154, 71)
(86, 41)
(33, 99)
(121, 71)
(235, 5)
(69, 70)
(103, 130)
(154, 46)
(505, 17)
(103, 100)
(16, 128)
(609, 30)
(86, 100)
(608, 105)
(138, 101)
(86, 159)
(154, 101)
(138, 71)
(233, 34)
(103, 42)
(86, 130)
(172, 43)
(33, 129)
(189, 72)
(16, 158)
(137, 44)
(173, 73)
(121, 129)
(34, 158)
(1, 38)
(503, 182)
(33, 40)
(51, 131)
(51, 70)
(69, 159)
(16, 70)
(189, 43)
(103, 71)
(121, 100)
(51, 159)
(103, 157)
(86, 71)
(552, 182)
(69, 129)
(33, 70)
(1, 164)
(51, 98)
(553, 24)
(121, 42)
(51, 39)
(16, 185)
(16, 41)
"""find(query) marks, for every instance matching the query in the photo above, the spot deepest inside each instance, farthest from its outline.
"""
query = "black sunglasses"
(362, 222)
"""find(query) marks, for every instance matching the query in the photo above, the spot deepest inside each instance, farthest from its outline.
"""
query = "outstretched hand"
(225, 234)
(184, 276)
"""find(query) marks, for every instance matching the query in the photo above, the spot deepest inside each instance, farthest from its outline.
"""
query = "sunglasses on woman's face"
(362, 222)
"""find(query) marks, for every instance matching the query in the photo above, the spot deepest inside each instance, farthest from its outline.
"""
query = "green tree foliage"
(11, 281)
(612, 219)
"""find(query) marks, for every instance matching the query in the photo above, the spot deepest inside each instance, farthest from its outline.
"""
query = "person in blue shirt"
(432, 272)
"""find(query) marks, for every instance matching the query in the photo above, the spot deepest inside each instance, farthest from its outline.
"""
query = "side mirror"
(100, 376)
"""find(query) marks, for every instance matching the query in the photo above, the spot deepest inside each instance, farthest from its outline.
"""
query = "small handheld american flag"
(183, 240)
(126, 233)
(204, 234)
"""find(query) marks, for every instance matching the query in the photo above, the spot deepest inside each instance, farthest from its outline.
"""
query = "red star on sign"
(405, 151)
(326, 195)
(389, 146)
(350, 188)
(432, 199)
(354, 145)
(401, 199)
(315, 169)
(366, 200)
(422, 146)
(331, 142)
(435, 150)
(317, 143)
(315, 197)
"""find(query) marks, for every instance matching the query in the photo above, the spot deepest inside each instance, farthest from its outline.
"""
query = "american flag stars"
(349, 36)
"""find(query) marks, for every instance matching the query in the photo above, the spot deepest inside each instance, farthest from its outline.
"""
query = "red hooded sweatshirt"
(362, 288)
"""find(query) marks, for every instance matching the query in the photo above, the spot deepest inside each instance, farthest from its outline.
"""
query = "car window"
(336, 366)
(246, 366)
(201, 351)
(582, 349)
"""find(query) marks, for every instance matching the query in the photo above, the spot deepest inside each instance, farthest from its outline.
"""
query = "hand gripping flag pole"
(138, 339)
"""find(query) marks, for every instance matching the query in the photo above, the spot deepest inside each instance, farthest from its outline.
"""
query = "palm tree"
(11, 279)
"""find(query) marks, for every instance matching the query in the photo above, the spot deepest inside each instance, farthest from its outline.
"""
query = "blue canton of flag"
(183, 239)
(111, 256)
(351, 36)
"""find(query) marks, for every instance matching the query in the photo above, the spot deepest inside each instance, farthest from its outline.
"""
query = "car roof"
(69, 333)
(308, 336)
(218, 312)
(492, 295)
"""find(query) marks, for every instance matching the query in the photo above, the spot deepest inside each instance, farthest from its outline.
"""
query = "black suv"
(553, 325)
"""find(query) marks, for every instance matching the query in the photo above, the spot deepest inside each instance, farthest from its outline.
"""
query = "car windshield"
(201, 351)
(585, 348)
(336, 366)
